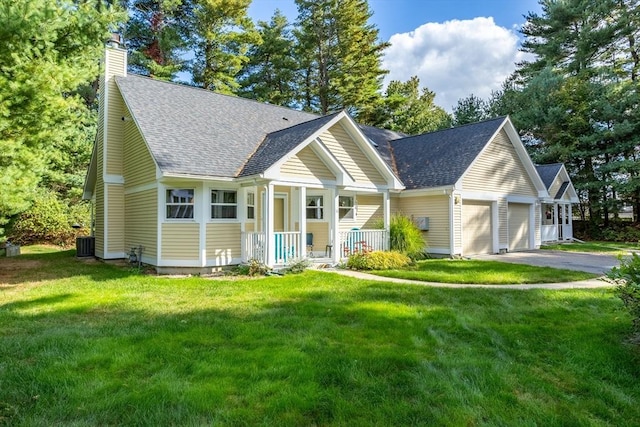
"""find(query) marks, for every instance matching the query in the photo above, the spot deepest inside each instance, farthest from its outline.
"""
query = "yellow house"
(190, 179)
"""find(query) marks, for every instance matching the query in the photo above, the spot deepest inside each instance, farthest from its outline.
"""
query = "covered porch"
(288, 222)
(557, 222)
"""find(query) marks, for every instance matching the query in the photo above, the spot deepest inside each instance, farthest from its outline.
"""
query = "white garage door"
(476, 227)
(518, 226)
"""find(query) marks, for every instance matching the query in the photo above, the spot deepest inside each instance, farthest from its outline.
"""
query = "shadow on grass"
(303, 352)
(30, 268)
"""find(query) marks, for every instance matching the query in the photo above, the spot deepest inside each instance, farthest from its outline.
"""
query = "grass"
(86, 343)
(615, 248)
(483, 272)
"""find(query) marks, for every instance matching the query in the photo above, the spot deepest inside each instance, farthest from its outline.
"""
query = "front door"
(279, 214)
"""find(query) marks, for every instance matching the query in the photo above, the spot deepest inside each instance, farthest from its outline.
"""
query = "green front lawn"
(85, 343)
(483, 272)
(607, 247)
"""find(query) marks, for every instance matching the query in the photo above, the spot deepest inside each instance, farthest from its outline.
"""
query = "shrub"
(252, 268)
(49, 220)
(296, 266)
(405, 237)
(377, 260)
(627, 277)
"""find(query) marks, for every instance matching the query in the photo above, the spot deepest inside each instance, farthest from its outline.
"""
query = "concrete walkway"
(584, 284)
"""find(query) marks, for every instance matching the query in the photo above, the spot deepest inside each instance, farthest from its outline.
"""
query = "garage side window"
(180, 203)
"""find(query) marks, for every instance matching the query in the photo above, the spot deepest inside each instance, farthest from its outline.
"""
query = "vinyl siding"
(109, 204)
(499, 169)
(223, 242)
(503, 223)
(308, 165)
(369, 211)
(141, 219)
(555, 186)
(436, 208)
(394, 205)
(115, 127)
(139, 167)
(99, 218)
(352, 158)
(457, 228)
(115, 218)
(99, 209)
(320, 232)
(180, 241)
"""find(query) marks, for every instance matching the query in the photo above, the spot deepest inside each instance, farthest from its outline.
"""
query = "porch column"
(268, 220)
(386, 207)
(555, 221)
(564, 219)
(335, 225)
(242, 217)
(570, 220)
(302, 220)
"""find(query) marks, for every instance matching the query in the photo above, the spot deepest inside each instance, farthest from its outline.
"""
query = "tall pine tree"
(49, 49)
(222, 35)
(340, 56)
(270, 74)
(156, 35)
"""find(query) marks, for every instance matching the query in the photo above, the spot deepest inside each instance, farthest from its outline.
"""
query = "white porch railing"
(254, 246)
(287, 245)
(549, 233)
(363, 240)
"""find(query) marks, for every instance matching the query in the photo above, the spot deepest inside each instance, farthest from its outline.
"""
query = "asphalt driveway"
(596, 263)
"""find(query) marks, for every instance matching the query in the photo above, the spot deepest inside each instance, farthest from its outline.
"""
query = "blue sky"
(455, 47)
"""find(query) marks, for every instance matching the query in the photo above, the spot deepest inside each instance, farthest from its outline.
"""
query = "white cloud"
(455, 58)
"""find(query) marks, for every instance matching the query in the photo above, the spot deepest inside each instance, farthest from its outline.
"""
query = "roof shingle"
(277, 144)
(440, 158)
(199, 132)
(548, 173)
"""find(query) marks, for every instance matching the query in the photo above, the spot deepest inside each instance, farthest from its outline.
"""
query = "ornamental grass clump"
(405, 237)
(377, 260)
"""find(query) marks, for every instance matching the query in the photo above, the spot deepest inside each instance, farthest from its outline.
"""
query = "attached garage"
(476, 226)
(519, 226)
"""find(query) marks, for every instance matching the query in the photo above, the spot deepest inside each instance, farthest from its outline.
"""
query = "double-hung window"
(315, 207)
(346, 207)
(251, 206)
(224, 204)
(180, 203)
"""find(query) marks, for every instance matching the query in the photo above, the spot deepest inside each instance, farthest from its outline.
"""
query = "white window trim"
(250, 205)
(353, 208)
(238, 206)
(166, 204)
(323, 207)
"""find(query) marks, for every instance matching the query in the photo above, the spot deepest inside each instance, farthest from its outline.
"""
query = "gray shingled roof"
(381, 138)
(440, 158)
(277, 144)
(548, 173)
(198, 132)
